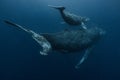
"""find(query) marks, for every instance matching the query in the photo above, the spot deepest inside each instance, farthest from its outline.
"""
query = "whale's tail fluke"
(61, 8)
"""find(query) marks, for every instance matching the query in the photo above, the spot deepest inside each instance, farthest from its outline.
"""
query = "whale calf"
(70, 18)
(66, 41)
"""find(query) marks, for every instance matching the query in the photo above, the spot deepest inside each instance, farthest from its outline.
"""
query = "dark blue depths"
(19, 54)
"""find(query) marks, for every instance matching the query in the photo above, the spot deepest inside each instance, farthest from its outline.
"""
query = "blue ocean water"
(19, 53)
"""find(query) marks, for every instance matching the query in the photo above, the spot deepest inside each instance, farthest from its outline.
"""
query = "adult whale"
(66, 41)
(70, 18)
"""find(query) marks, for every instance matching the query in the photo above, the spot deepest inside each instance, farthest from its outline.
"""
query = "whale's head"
(96, 33)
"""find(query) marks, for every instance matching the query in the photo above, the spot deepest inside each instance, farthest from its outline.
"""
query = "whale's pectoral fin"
(83, 25)
(43, 53)
(41, 40)
(84, 57)
(43, 43)
(16, 25)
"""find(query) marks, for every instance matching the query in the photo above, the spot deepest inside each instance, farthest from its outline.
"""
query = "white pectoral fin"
(83, 26)
(42, 41)
(16, 25)
(43, 53)
(84, 57)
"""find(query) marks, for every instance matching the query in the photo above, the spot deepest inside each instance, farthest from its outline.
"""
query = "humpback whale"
(70, 18)
(68, 41)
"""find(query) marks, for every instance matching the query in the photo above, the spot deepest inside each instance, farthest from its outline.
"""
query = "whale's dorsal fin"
(84, 57)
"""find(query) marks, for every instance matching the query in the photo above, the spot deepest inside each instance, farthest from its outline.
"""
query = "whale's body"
(74, 40)
(66, 41)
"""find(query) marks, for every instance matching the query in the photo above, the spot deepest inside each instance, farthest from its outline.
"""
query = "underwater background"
(19, 53)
